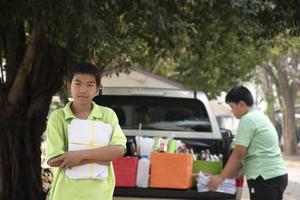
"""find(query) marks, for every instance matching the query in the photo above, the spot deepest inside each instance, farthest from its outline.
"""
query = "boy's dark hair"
(85, 68)
(240, 93)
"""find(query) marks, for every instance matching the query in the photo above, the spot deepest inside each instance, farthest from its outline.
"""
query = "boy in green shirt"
(84, 86)
(256, 149)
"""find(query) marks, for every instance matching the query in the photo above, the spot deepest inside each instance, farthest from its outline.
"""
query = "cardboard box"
(125, 171)
(171, 170)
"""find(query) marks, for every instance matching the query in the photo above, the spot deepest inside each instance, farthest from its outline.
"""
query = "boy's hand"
(54, 163)
(214, 182)
(68, 160)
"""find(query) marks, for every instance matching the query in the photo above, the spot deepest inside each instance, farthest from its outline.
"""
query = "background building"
(137, 78)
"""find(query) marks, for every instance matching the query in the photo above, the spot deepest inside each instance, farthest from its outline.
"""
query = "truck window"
(158, 113)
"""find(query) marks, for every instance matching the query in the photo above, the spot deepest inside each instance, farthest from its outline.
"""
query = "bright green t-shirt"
(263, 157)
(64, 188)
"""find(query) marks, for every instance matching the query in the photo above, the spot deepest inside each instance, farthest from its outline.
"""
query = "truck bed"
(170, 193)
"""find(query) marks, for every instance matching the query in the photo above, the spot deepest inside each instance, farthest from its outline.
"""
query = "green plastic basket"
(211, 167)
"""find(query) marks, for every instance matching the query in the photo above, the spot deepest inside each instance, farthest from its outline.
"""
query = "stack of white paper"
(227, 186)
(88, 134)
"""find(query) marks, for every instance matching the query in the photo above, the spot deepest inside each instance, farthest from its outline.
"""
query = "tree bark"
(25, 65)
(14, 45)
(22, 125)
(287, 92)
(289, 122)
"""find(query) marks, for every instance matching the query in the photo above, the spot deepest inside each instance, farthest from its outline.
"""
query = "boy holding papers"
(82, 140)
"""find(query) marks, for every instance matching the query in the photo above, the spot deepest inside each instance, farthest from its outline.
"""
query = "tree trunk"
(288, 91)
(289, 127)
(20, 157)
(22, 125)
(15, 44)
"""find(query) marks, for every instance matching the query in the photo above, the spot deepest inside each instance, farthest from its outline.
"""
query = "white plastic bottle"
(146, 146)
(142, 178)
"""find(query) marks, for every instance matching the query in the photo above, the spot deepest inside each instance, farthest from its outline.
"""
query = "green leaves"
(212, 44)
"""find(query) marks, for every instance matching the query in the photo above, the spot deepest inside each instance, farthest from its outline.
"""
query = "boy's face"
(84, 88)
(237, 109)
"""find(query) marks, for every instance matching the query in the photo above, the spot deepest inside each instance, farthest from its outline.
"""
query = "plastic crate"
(125, 171)
(210, 167)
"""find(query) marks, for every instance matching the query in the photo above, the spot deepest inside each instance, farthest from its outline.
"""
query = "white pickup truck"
(185, 114)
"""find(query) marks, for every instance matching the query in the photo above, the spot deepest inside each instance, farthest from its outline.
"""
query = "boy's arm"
(232, 167)
(54, 163)
(56, 145)
(101, 155)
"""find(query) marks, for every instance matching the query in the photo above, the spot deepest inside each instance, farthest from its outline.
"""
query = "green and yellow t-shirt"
(263, 157)
(64, 188)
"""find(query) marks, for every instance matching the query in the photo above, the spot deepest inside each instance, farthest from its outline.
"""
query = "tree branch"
(25, 66)
(269, 70)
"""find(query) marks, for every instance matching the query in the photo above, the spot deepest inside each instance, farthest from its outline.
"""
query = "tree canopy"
(202, 40)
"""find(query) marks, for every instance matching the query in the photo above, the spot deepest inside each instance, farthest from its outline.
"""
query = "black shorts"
(269, 189)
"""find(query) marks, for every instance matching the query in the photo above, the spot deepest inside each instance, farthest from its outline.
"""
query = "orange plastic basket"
(171, 170)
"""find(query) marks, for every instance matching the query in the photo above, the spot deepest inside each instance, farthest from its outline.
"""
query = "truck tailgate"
(171, 193)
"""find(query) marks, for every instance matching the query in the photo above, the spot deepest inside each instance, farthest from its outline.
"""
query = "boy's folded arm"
(54, 163)
(58, 163)
(103, 154)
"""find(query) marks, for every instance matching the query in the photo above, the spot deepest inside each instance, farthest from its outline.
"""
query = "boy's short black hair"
(85, 68)
(240, 93)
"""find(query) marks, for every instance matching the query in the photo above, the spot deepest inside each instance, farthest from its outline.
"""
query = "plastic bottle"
(142, 178)
(203, 155)
(146, 146)
(178, 144)
(220, 156)
(156, 145)
(171, 146)
(208, 155)
(216, 158)
(163, 145)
